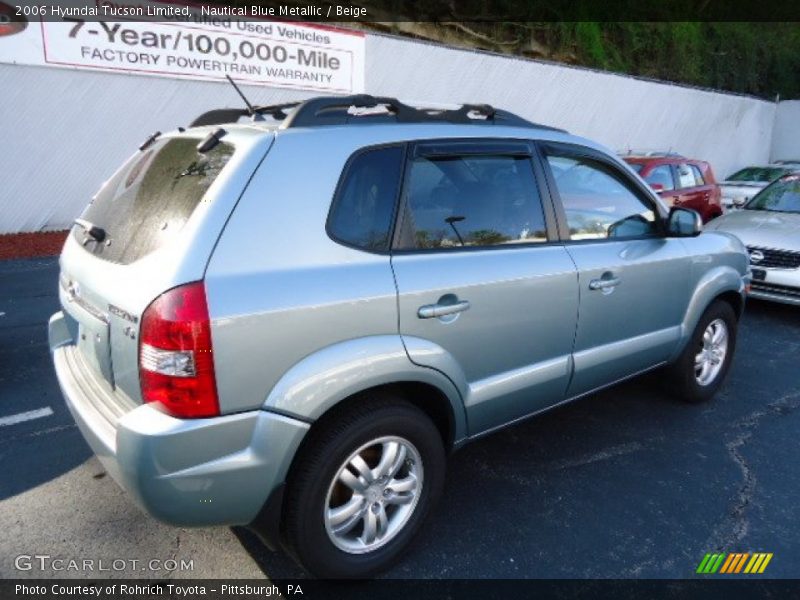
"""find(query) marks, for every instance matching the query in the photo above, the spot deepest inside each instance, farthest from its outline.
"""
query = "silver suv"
(290, 322)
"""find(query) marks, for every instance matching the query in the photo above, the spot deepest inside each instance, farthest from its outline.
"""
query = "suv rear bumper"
(188, 472)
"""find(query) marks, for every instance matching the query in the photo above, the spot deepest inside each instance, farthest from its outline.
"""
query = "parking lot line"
(26, 416)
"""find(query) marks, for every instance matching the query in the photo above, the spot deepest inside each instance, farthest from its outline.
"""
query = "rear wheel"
(362, 487)
(702, 366)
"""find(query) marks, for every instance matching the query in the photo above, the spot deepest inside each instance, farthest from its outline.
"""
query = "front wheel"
(362, 487)
(702, 366)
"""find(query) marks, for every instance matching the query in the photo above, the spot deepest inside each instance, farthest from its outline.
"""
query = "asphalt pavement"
(624, 483)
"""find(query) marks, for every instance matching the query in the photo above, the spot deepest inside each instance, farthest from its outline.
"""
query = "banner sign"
(192, 42)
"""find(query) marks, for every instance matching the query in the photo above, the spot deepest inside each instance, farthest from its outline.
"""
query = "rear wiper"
(98, 234)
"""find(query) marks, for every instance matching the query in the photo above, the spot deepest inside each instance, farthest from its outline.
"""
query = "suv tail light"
(176, 364)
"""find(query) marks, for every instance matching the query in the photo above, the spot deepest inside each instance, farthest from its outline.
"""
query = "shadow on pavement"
(36, 451)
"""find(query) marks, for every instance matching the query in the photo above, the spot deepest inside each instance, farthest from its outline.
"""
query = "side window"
(362, 210)
(698, 175)
(470, 200)
(661, 175)
(598, 202)
(685, 176)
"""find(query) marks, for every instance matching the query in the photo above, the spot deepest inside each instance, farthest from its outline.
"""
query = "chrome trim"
(431, 311)
(604, 284)
(72, 292)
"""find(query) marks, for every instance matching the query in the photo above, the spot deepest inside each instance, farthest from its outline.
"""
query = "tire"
(685, 378)
(379, 430)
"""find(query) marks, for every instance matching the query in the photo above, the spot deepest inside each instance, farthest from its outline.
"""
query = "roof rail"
(221, 116)
(650, 153)
(363, 108)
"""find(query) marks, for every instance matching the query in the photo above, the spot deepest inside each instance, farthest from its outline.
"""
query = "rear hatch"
(151, 227)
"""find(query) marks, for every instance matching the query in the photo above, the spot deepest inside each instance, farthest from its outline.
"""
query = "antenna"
(250, 108)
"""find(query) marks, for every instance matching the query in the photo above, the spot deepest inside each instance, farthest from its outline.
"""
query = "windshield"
(758, 174)
(781, 196)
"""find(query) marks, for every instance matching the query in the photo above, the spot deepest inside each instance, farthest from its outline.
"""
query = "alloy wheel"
(373, 495)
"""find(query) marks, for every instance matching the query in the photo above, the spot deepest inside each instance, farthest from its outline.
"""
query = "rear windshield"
(150, 199)
(758, 174)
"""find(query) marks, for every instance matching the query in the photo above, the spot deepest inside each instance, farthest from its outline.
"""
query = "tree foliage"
(762, 59)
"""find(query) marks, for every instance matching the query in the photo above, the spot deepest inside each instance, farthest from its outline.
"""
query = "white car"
(769, 225)
(739, 188)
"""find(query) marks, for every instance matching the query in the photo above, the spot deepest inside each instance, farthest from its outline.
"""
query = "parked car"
(291, 322)
(770, 227)
(745, 183)
(680, 181)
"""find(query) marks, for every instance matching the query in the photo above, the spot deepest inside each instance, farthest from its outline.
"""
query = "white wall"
(65, 131)
(786, 134)
(621, 112)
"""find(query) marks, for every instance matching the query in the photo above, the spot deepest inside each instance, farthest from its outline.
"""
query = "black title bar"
(366, 11)
(390, 589)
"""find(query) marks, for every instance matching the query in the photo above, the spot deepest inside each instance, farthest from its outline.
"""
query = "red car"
(680, 181)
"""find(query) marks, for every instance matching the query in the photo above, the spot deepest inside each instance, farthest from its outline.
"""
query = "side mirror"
(657, 187)
(684, 222)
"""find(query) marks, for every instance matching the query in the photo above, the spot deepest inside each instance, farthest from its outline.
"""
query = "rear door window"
(149, 200)
(698, 175)
(470, 200)
(685, 176)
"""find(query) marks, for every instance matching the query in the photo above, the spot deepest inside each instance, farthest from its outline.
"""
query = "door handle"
(434, 311)
(604, 284)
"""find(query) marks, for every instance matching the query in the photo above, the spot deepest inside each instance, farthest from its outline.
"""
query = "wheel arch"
(429, 399)
(734, 298)
(721, 283)
(349, 371)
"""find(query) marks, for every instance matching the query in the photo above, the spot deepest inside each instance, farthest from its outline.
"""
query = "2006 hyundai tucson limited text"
(289, 322)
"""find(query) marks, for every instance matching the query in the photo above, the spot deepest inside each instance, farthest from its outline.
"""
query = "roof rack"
(220, 116)
(651, 153)
(363, 108)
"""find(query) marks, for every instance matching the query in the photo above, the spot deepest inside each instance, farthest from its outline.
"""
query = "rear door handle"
(604, 284)
(434, 311)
